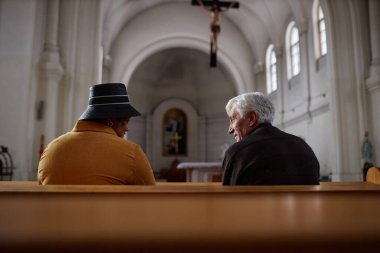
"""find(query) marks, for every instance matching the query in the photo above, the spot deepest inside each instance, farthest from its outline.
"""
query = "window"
(271, 69)
(293, 50)
(319, 28)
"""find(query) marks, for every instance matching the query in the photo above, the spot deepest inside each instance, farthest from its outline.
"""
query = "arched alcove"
(181, 74)
(160, 158)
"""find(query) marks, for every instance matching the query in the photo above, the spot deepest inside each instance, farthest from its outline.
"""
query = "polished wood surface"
(332, 217)
(202, 187)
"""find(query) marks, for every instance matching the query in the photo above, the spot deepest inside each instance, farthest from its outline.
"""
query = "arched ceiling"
(183, 72)
(136, 32)
(260, 21)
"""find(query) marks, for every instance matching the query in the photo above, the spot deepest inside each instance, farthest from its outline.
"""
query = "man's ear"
(252, 119)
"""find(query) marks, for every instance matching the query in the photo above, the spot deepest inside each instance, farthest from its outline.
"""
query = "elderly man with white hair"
(263, 154)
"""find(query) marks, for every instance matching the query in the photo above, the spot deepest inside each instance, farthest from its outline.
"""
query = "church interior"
(182, 60)
(317, 60)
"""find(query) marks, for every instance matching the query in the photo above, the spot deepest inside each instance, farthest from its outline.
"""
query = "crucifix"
(176, 138)
(215, 7)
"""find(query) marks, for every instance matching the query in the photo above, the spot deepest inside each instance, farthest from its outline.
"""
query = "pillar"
(51, 71)
(373, 82)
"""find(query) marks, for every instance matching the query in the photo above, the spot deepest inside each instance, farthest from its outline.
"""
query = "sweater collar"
(92, 126)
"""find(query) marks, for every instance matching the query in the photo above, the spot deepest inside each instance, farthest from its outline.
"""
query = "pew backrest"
(185, 217)
(211, 187)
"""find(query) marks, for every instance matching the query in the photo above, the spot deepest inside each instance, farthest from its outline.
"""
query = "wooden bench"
(183, 217)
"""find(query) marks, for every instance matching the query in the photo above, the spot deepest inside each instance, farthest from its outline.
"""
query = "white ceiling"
(181, 73)
(160, 48)
(260, 21)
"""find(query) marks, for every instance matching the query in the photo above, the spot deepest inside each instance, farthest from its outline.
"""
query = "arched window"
(293, 50)
(319, 28)
(271, 69)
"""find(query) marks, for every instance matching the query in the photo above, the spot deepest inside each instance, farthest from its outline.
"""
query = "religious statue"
(366, 148)
(215, 7)
(366, 154)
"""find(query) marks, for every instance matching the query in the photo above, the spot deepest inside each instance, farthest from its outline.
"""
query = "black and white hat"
(109, 100)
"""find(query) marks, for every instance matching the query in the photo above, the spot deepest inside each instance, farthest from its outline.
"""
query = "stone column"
(107, 60)
(280, 83)
(305, 65)
(374, 23)
(373, 82)
(51, 71)
(259, 74)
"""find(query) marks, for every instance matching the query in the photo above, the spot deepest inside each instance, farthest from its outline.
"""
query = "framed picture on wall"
(174, 133)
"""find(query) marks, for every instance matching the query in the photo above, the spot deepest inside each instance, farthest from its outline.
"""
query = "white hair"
(248, 102)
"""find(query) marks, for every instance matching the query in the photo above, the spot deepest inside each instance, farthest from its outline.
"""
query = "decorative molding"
(302, 26)
(52, 69)
(278, 50)
(373, 85)
(258, 68)
(107, 61)
(373, 82)
(292, 117)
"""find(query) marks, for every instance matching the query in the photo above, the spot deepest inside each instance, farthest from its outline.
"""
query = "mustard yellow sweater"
(92, 153)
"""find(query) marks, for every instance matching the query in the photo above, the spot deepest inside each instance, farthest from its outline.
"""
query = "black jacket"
(269, 156)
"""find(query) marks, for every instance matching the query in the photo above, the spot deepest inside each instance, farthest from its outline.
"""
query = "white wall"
(217, 137)
(20, 32)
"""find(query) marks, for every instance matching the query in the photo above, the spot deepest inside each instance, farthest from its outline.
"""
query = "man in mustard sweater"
(95, 152)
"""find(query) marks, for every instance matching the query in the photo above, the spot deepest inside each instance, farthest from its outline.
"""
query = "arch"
(184, 41)
(158, 159)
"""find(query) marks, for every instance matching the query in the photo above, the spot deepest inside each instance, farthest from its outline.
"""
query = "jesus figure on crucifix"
(215, 7)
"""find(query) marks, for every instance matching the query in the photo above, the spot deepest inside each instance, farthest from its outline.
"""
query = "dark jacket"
(269, 156)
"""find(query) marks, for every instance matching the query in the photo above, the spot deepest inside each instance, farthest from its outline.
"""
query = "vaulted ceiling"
(260, 21)
(163, 46)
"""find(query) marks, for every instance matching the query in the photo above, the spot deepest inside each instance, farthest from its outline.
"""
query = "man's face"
(240, 127)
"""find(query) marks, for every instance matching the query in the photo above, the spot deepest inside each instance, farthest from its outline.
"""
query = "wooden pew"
(183, 217)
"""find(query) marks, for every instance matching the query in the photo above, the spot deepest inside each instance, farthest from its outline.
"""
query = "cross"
(176, 139)
(215, 7)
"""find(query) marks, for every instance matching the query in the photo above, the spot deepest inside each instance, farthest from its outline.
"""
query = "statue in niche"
(366, 148)
(174, 133)
(366, 155)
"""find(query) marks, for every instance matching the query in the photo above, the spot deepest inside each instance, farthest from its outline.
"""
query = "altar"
(202, 171)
